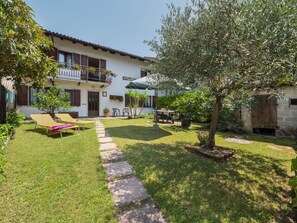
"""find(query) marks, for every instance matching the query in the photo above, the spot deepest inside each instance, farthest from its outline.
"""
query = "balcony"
(82, 73)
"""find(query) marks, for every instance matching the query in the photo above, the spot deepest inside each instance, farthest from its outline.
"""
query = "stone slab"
(100, 129)
(147, 213)
(111, 155)
(105, 140)
(118, 169)
(239, 141)
(127, 191)
(102, 135)
(107, 146)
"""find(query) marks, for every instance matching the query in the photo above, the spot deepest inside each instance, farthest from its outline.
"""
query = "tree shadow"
(191, 188)
(136, 132)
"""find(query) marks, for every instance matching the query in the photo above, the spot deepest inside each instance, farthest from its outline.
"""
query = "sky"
(119, 24)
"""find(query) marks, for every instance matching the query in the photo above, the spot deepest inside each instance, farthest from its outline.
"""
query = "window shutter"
(84, 64)
(126, 100)
(52, 53)
(76, 58)
(76, 95)
(102, 64)
(142, 73)
(22, 95)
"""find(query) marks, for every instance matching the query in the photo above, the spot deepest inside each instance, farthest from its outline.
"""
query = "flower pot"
(186, 122)
(106, 115)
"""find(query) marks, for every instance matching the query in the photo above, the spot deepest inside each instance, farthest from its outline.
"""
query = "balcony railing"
(67, 71)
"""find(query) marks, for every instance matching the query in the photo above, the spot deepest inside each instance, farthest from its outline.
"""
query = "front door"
(93, 104)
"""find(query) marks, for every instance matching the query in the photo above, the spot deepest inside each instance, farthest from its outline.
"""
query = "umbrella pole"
(156, 126)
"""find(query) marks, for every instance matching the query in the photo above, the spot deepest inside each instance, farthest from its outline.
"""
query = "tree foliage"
(23, 45)
(135, 100)
(228, 46)
(53, 99)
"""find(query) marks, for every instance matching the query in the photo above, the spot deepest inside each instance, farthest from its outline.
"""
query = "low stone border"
(217, 153)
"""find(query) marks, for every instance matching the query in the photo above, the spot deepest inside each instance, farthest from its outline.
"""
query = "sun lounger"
(46, 121)
(66, 118)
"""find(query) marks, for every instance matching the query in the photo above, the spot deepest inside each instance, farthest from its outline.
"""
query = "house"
(7, 97)
(272, 115)
(82, 67)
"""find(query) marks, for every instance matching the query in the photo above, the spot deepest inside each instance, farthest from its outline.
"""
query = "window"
(144, 72)
(74, 97)
(148, 102)
(293, 101)
(65, 58)
(71, 96)
(32, 99)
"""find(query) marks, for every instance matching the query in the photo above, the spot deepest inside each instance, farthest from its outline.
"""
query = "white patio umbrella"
(150, 82)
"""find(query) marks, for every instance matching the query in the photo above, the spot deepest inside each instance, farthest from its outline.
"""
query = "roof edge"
(96, 46)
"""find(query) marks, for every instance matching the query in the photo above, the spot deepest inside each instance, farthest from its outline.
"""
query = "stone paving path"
(127, 190)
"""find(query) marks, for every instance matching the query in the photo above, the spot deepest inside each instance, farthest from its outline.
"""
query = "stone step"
(102, 135)
(105, 140)
(111, 155)
(107, 146)
(127, 191)
(147, 213)
(118, 169)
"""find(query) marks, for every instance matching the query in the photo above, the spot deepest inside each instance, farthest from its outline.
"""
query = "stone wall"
(286, 115)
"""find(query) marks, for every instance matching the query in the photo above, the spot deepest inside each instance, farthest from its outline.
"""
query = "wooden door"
(264, 111)
(93, 104)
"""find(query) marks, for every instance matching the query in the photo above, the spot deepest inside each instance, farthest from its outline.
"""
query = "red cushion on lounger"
(60, 127)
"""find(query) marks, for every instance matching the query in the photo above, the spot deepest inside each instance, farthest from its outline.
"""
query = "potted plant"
(75, 67)
(106, 112)
(61, 65)
(186, 121)
(91, 70)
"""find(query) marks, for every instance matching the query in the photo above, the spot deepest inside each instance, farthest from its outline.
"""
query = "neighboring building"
(273, 116)
(7, 97)
(90, 92)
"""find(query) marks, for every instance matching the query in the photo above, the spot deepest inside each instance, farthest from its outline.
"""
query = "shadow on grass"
(55, 135)
(190, 188)
(137, 132)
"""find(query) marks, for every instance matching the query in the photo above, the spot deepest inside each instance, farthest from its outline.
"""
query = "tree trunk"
(214, 122)
(2, 104)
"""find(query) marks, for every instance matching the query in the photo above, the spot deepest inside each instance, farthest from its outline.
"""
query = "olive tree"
(228, 47)
(22, 48)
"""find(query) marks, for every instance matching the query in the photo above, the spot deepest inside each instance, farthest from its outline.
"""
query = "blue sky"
(119, 24)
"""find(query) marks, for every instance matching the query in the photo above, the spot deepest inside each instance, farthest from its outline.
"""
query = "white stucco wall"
(121, 65)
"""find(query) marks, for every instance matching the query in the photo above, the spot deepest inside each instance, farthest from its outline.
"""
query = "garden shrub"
(14, 118)
(167, 101)
(202, 137)
(230, 120)
(196, 104)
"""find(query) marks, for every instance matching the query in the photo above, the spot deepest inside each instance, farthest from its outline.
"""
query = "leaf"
(294, 202)
(294, 164)
(293, 182)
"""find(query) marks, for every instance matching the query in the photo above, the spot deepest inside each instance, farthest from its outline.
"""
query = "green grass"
(53, 179)
(252, 187)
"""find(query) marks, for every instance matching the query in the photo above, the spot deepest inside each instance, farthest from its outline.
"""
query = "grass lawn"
(53, 179)
(252, 187)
